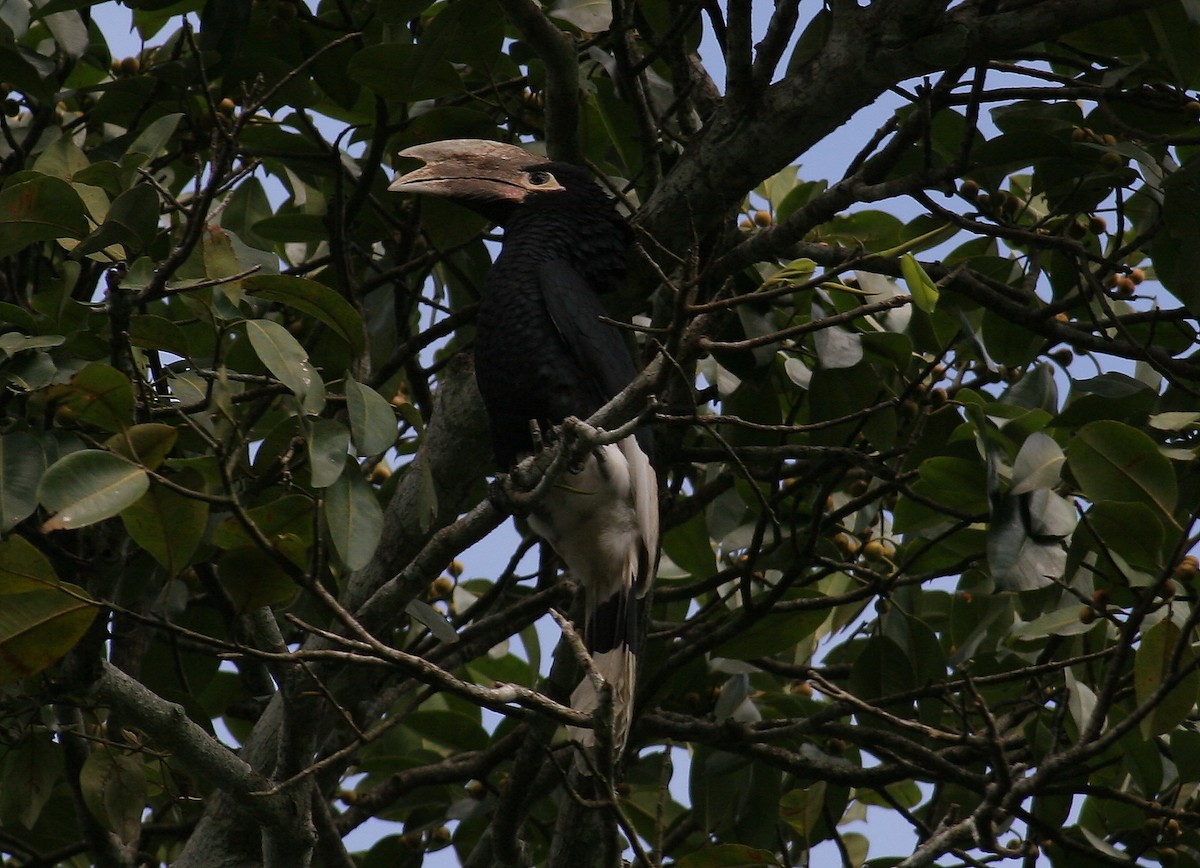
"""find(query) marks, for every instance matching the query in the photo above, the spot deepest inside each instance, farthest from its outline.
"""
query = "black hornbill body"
(543, 353)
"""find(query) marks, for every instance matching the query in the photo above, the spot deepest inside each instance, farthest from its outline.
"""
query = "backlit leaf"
(1153, 667)
(40, 209)
(38, 627)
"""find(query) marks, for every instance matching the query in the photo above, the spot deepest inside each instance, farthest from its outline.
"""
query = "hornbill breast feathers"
(543, 352)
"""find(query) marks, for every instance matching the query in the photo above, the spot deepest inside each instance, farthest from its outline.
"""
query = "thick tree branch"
(556, 49)
(735, 152)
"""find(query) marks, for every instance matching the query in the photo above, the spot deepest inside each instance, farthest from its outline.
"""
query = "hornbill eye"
(540, 179)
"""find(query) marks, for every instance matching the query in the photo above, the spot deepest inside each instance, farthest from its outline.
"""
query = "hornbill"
(543, 352)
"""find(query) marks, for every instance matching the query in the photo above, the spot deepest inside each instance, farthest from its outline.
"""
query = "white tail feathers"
(618, 668)
(603, 522)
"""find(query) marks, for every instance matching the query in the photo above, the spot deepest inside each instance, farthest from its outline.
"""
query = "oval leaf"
(284, 358)
(167, 525)
(21, 466)
(39, 627)
(315, 299)
(89, 486)
(1152, 668)
(353, 516)
(372, 421)
(328, 442)
(1113, 461)
(921, 287)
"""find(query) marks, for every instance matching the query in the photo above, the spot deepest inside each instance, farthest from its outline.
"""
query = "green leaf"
(1131, 530)
(802, 809)
(168, 525)
(152, 332)
(131, 221)
(728, 856)
(290, 515)
(903, 793)
(1152, 667)
(32, 769)
(1060, 622)
(40, 209)
(147, 444)
(24, 568)
(113, 785)
(1038, 465)
(590, 16)
(315, 299)
(285, 359)
(38, 627)
(21, 467)
(921, 287)
(253, 578)
(773, 633)
(62, 159)
(1112, 461)
(372, 421)
(353, 516)
(88, 486)
(153, 140)
(328, 442)
(404, 73)
(98, 395)
(442, 629)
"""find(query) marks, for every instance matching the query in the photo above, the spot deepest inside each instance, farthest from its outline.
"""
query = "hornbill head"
(491, 178)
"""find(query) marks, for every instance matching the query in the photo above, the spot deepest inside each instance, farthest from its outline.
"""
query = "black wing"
(596, 346)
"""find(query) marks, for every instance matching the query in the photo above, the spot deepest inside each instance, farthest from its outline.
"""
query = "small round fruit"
(968, 189)
(874, 550)
(227, 107)
(1192, 107)
(1063, 356)
(380, 473)
(1086, 614)
(846, 544)
(441, 587)
(1097, 225)
(455, 569)
(762, 218)
(1187, 568)
(1125, 287)
(1111, 160)
(1137, 275)
(131, 66)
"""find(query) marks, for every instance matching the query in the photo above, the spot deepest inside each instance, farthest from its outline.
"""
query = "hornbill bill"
(543, 352)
